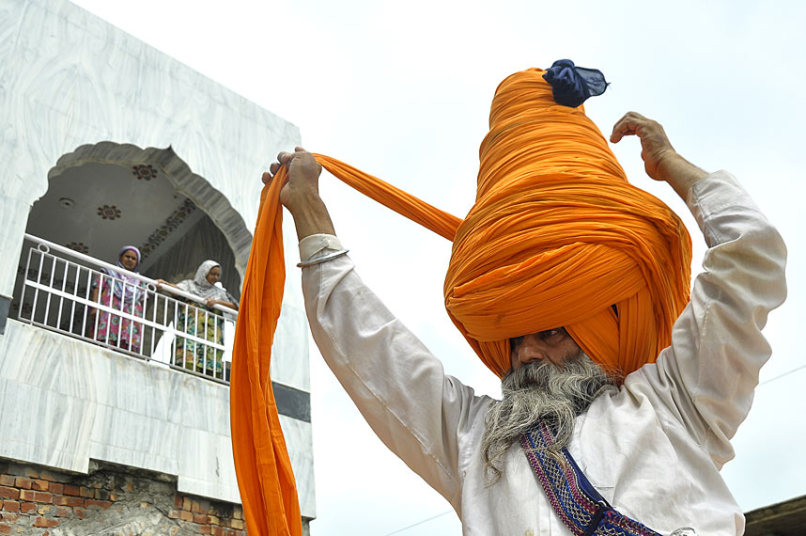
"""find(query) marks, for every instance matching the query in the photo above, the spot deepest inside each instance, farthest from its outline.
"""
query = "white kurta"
(653, 448)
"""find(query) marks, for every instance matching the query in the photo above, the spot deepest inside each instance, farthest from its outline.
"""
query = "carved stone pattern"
(171, 223)
(109, 212)
(144, 172)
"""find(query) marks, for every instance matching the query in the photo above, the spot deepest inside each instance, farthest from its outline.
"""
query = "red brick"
(6, 480)
(44, 509)
(236, 523)
(27, 495)
(46, 475)
(186, 504)
(23, 483)
(102, 504)
(218, 531)
(5, 529)
(27, 508)
(72, 490)
(8, 516)
(196, 507)
(80, 513)
(56, 488)
(178, 501)
(237, 512)
(9, 493)
(64, 511)
(43, 522)
(205, 529)
(43, 497)
(213, 520)
(201, 519)
(30, 472)
(86, 492)
(11, 506)
(70, 501)
(40, 485)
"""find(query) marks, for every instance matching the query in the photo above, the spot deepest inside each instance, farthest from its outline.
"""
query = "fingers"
(628, 125)
(283, 158)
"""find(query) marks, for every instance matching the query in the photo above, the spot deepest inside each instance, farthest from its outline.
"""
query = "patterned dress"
(123, 293)
(201, 322)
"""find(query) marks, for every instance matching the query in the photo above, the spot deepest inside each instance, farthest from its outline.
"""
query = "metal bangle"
(323, 258)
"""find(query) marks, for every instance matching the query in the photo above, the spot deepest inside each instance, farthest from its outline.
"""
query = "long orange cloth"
(557, 237)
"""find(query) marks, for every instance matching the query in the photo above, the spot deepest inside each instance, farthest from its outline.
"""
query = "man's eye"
(552, 335)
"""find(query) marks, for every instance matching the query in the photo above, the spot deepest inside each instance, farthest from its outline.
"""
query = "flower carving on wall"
(81, 247)
(109, 212)
(144, 172)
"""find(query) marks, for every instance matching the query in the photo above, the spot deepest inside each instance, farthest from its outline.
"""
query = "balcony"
(57, 289)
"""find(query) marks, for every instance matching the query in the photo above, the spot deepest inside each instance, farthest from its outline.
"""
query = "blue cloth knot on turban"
(572, 85)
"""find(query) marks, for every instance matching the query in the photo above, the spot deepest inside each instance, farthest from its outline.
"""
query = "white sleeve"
(400, 388)
(705, 379)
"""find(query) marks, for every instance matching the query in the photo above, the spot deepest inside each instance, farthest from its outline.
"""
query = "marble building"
(106, 141)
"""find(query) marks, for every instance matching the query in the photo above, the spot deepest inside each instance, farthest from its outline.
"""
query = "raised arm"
(398, 386)
(707, 376)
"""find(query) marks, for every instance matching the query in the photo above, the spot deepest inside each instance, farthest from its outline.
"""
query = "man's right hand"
(300, 194)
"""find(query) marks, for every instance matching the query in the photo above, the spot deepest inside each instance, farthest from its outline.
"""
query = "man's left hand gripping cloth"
(262, 465)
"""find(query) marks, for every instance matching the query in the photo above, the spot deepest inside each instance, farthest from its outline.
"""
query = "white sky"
(402, 90)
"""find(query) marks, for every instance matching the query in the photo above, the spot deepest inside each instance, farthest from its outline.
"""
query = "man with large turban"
(620, 391)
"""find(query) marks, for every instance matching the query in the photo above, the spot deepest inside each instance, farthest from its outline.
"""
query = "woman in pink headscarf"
(121, 292)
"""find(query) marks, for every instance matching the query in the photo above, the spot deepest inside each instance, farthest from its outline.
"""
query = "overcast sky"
(402, 90)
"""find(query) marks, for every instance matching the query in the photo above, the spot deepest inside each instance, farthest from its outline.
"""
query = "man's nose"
(531, 348)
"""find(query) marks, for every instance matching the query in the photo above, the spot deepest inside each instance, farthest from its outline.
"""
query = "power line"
(418, 523)
(782, 375)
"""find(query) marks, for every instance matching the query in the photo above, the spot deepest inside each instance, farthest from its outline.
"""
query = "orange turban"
(557, 238)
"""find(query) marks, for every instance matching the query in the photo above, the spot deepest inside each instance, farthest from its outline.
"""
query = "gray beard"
(540, 391)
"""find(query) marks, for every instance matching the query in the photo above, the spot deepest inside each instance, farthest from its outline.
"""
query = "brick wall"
(111, 500)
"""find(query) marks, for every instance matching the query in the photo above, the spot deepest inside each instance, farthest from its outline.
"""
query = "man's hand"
(661, 161)
(303, 178)
(300, 194)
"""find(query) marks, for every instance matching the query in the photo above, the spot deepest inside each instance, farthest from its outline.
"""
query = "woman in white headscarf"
(203, 323)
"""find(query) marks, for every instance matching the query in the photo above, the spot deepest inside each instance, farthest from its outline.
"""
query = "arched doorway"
(103, 196)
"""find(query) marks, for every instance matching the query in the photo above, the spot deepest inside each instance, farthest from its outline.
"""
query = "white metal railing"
(65, 291)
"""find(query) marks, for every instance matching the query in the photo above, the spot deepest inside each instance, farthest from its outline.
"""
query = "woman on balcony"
(120, 292)
(203, 324)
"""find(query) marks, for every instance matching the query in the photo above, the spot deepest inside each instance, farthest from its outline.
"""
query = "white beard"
(541, 391)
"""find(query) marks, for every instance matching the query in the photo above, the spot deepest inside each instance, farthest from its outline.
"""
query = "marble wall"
(66, 402)
(69, 80)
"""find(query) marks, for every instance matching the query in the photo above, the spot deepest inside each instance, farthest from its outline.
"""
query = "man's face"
(553, 345)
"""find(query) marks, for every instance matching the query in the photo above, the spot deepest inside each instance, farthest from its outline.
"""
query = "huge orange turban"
(557, 237)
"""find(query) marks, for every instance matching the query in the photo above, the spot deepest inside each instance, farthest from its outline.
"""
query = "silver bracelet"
(323, 258)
